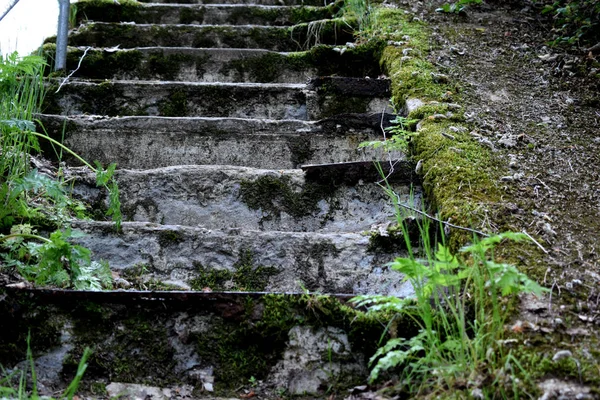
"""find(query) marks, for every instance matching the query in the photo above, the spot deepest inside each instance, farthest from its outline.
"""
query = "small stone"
(440, 78)
(413, 104)
(419, 167)
(457, 129)
(456, 50)
(448, 136)
(406, 51)
(562, 354)
(437, 117)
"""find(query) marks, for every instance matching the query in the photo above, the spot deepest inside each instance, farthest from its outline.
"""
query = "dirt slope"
(539, 109)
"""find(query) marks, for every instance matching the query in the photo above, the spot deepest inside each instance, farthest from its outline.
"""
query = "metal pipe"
(60, 62)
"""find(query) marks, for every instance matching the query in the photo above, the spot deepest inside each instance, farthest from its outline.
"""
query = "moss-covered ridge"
(459, 174)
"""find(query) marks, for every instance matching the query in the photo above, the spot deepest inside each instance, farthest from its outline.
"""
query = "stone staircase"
(235, 128)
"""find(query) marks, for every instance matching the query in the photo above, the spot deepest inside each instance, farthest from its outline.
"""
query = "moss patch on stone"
(274, 195)
(106, 10)
(245, 276)
(459, 174)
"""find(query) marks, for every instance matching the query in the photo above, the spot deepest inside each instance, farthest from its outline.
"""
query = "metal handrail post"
(60, 62)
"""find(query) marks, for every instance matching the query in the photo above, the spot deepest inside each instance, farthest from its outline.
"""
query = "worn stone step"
(153, 142)
(243, 100)
(130, 35)
(210, 344)
(240, 259)
(223, 197)
(222, 65)
(199, 14)
(314, 3)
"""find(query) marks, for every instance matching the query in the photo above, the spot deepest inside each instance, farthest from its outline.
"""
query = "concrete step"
(321, 99)
(241, 259)
(208, 344)
(131, 35)
(222, 65)
(153, 142)
(227, 197)
(200, 14)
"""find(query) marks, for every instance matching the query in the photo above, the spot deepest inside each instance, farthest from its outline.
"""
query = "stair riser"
(241, 37)
(210, 100)
(223, 339)
(220, 197)
(146, 143)
(290, 261)
(314, 3)
(201, 14)
(221, 65)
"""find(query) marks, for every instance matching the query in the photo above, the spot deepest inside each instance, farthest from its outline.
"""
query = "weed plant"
(20, 391)
(461, 303)
(29, 198)
(576, 22)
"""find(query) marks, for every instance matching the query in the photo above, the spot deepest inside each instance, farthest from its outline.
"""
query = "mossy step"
(152, 142)
(223, 197)
(223, 65)
(243, 100)
(314, 3)
(240, 259)
(294, 38)
(198, 14)
(208, 343)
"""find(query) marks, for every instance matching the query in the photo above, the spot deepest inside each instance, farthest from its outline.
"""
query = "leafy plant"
(458, 7)
(55, 261)
(401, 135)
(27, 196)
(459, 306)
(575, 21)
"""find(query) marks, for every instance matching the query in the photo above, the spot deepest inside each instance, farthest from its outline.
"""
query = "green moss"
(274, 195)
(107, 11)
(175, 105)
(459, 176)
(138, 350)
(168, 238)
(189, 15)
(582, 367)
(167, 67)
(245, 276)
(21, 317)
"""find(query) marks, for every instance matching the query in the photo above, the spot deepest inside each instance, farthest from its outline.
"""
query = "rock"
(413, 104)
(314, 358)
(508, 141)
(440, 78)
(562, 354)
(557, 389)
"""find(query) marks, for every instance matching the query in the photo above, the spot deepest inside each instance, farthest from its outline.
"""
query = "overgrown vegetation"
(460, 305)
(31, 200)
(576, 22)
